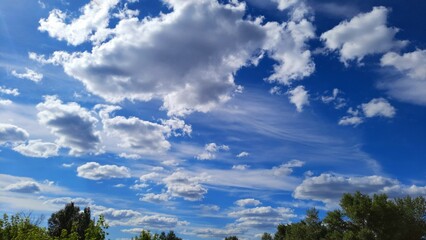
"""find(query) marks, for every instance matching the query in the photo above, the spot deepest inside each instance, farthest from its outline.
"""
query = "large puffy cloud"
(11, 134)
(24, 187)
(187, 58)
(410, 86)
(262, 217)
(180, 184)
(37, 148)
(135, 137)
(247, 202)
(95, 171)
(364, 34)
(91, 24)
(299, 97)
(73, 125)
(378, 107)
(328, 188)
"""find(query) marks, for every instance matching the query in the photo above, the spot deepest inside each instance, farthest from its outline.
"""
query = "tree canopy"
(362, 217)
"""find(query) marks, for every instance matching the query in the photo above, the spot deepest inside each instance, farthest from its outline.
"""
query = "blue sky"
(211, 118)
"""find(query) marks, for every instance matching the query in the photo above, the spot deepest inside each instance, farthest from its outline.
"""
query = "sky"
(209, 117)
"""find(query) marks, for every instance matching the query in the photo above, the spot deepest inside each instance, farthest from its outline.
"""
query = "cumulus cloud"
(210, 150)
(12, 134)
(95, 171)
(5, 102)
(72, 124)
(24, 187)
(248, 202)
(242, 154)
(135, 137)
(262, 217)
(354, 118)
(28, 74)
(286, 44)
(92, 24)
(154, 222)
(328, 188)
(364, 34)
(299, 97)
(155, 198)
(189, 70)
(38, 148)
(180, 184)
(287, 168)
(240, 167)
(378, 107)
(9, 91)
(410, 85)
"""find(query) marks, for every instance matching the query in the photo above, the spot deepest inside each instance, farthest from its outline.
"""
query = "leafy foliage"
(146, 235)
(362, 218)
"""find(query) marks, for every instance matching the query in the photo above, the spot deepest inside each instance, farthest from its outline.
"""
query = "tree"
(20, 227)
(231, 238)
(72, 224)
(266, 236)
(362, 217)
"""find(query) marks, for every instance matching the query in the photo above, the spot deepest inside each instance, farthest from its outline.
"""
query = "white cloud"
(9, 91)
(287, 45)
(242, 154)
(328, 188)
(378, 107)
(67, 165)
(5, 102)
(28, 74)
(65, 200)
(299, 97)
(240, 167)
(190, 68)
(339, 102)
(119, 185)
(410, 86)
(276, 90)
(155, 198)
(12, 134)
(92, 24)
(180, 184)
(138, 186)
(73, 125)
(262, 217)
(287, 168)
(24, 187)
(364, 34)
(149, 176)
(248, 202)
(154, 222)
(210, 150)
(95, 171)
(350, 120)
(37, 148)
(133, 137)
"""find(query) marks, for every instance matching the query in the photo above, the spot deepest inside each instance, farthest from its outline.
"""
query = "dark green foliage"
(266, 236)
(146, 235)
(231, 238)
(71, 223)
(362, 218)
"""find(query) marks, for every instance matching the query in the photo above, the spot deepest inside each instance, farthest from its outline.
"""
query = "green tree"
(20, 227)
(70, 223)
(266, 236)
(231, 238)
